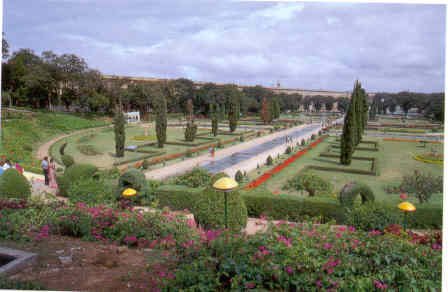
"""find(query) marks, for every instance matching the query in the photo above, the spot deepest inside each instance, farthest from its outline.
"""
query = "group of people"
(49, 169)
(6, 164)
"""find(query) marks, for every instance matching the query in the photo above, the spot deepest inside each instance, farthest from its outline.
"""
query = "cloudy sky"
(389, 47)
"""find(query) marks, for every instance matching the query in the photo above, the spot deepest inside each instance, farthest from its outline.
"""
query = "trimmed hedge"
(177, 197)
(350, 192)
(133, 178)
(153, 154)
(67, 160)
(74, 173)
(14, 185)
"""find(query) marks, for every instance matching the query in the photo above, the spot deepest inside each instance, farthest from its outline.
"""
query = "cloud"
(303, 45)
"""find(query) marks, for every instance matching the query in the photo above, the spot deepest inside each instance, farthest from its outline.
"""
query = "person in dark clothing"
(45, 167)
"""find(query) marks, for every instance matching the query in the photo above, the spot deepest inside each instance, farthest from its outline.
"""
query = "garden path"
(188, 164)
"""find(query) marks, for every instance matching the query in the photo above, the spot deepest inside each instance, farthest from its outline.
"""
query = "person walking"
(45, 167)
(52, 174)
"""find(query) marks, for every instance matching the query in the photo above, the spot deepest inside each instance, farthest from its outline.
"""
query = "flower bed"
(437, 159)
(264, 177)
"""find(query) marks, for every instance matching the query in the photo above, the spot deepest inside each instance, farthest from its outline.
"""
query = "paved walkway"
(186, 165)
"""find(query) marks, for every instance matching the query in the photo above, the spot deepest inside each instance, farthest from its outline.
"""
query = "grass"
(23, 134)
(102, 142)
(395, 160)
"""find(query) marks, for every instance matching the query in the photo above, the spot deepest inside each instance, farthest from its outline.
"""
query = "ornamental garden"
(321, 215)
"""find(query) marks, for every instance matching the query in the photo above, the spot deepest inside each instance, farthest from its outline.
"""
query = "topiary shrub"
(241, 138)
(14, 185)
(239, 176)
(309, 182)
(269, 160)
(67, 160)
(90, 191)
(350, 192)
(190, 131)
(73, 173)
(132, 178)
(209, 210)
(313, 137)
(195, 178)
(288, 150)
(62, 148)
(303, 143)
(145, 164)
(372, 216)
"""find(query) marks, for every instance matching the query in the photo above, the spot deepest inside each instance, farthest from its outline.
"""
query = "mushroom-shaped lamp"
(406, 207)
(225, 184)
(129, 192)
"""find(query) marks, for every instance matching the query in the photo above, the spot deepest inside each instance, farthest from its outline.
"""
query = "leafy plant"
(195, 178)
(422, 185)
(309, 182)
(67, 160)
(14, 185)
(239, 176)
(269, 160)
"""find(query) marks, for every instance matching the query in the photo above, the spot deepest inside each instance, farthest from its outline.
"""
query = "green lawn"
(24, 133)
(394, 158)
(104, 144)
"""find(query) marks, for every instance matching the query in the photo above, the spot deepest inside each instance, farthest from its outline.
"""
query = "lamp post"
(406, 207)
(129, 192)
(225, 185)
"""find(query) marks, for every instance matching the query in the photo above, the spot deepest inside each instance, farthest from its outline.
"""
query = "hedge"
(261, 201)
(155, 153)
(177, 197)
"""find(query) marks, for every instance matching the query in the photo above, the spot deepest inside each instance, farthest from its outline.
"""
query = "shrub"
(209, 210)
(219, 144)
(288, 150)
(313, 137)
(67, 160)
(303, 143)
(88, 150)
(371, 216)
(188, 153)
(350, 192)
(190, 131)
(422, 185)
(14, 185)
(239, 176)
(177, 197)
(90, 191)
(74, 173)
(310, 182)
(241, 138)
(269, 160)
(197, 177)
(132, 178)
(62, 148)
(217, 176)
(145, 164)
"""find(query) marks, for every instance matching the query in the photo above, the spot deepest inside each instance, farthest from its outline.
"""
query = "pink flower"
(328, 246)
(285, 240)
(188, 244)
(436, 246)
(352, 229)
(342, 228)
(130, 240)
(403, 196)
(250, 285)
(289, 270)
(380, 285)
(375, 233)
(319, 283)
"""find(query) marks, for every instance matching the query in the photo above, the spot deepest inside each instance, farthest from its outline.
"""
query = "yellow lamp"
(406, 207)
(225, 184)
(129, 192)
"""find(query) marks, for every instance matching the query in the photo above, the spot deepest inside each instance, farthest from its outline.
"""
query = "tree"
(422, 185)
(265, 113)
(349, 130)
(120, 134)
(191, 129)
(5, 48)
(275, 108)
(214, 112)
(161, 120)
(233, 101)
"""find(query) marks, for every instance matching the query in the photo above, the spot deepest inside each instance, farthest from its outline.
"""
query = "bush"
(74, 173)
(217, 176)
(269, 160)
(190, 131)
(350, 192)
(132, 178)
(67, 160)
(90, 191)
(88, 150)
(310, 182)
(371, 216)
(313, 137)
(422, 185)
(14, 185)
(209, 210)
(288, 150)
(241, 138)
(62, 148)
(303, 143)
(198, 177)
(239, 176)
(177, 197)
(219, 144)
(145, 164)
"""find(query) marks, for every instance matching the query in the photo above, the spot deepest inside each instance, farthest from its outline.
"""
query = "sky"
(388, 47)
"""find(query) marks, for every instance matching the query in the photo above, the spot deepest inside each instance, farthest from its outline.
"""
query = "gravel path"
(186, 165)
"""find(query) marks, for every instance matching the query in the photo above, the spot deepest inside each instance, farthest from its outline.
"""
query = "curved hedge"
(350, 191)
(14, 185)
(67, 160)
(132, 178)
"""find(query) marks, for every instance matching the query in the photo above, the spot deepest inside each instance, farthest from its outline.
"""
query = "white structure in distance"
(132, 117)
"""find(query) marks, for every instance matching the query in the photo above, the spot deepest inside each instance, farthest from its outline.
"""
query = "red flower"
(403, 196)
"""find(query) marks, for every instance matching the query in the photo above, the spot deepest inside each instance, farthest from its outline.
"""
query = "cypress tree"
(234, 112)
(214, 112)
(349, 131)
(161, 122)
(120, 133)
(266, 116)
